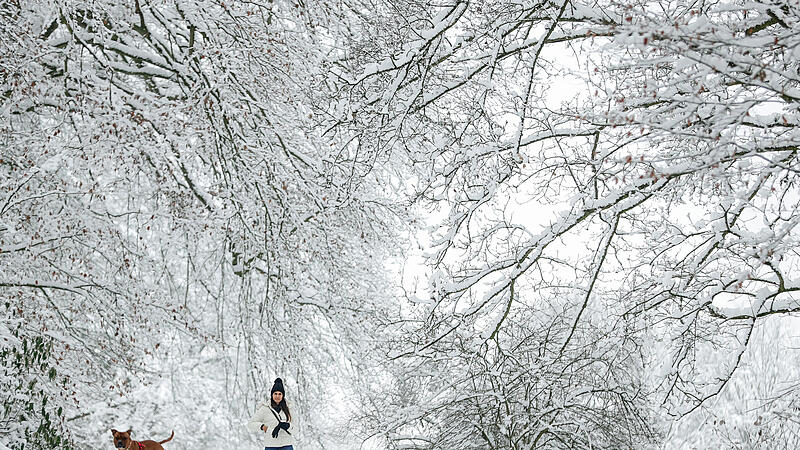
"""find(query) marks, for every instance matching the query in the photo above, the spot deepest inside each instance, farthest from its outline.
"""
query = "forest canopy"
(500, 224)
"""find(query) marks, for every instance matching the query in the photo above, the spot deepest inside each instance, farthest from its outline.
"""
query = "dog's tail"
(169, 438)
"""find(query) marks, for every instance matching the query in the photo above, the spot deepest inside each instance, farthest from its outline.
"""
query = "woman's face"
(277, 396)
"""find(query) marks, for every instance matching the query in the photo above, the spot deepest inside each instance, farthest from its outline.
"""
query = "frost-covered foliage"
(171, 216)
(198, 196)
(627, 168)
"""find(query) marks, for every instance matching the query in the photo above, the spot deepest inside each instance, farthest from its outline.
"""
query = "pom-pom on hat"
(278, 387)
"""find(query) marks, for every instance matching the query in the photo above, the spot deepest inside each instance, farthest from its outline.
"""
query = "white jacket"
(265, 415)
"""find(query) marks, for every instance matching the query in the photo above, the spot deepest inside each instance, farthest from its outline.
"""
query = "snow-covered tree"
(621, 175)
(171, 216)
(198, 196)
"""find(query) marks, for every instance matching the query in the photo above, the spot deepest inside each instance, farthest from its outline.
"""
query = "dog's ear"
(129, 431)
(113, 431)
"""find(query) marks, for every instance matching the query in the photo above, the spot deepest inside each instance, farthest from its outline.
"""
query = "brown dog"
(122, 439)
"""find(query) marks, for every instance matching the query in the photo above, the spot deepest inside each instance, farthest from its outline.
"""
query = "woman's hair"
(283, 406)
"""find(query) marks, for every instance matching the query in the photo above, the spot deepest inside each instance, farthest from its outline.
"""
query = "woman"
(274, 420)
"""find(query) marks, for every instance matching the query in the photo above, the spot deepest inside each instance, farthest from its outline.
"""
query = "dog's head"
(121, 438)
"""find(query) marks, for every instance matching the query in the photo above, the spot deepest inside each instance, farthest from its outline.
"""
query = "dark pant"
(285, 447)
